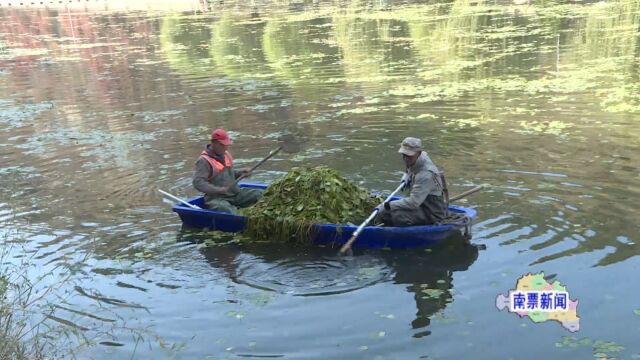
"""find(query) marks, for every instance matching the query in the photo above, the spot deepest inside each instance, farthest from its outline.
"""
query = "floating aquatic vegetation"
(431, 293)
(22, 170)
(313, 153)
(151, 117)
(225, 109)
(519, 110)
(360, 110)
(625, 98)
(554, 127)
(441, 318)
(477, 121)
(261, 107)
(571, 79)
(426, 116)
(17, 115)
(377, 334)
(339, 104)
(12, 53)
(601, 349)
(90, 45)
(436, 92)
(452, 66)
(236, 47)
(260, 298)
(235, 314)
(304, 197)
(606, 347)
(105, 148)
(385, 316)
(197, 133)
(298, 55)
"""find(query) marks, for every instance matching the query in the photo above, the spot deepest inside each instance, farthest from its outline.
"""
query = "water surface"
(100, 108)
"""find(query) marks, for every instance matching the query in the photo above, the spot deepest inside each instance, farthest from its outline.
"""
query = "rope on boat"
(458, 219)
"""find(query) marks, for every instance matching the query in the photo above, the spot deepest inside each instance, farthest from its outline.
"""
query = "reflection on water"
(298, 271)
(429, 276)
(290, 270)
(540, 99)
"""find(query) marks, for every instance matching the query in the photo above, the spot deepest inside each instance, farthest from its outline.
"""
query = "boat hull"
(332, 234)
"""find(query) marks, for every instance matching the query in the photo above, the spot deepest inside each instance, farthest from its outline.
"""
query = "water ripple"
(311, 277)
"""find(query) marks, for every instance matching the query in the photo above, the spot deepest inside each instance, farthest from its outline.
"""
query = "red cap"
(221, 136)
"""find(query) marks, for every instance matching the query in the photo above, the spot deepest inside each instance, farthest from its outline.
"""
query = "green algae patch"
(600, 349)
(306, 196)
(14, 115)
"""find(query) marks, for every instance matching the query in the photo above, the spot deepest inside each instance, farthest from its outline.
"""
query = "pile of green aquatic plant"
(306, 196)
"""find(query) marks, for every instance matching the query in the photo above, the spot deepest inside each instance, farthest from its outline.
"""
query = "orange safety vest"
(215, 163)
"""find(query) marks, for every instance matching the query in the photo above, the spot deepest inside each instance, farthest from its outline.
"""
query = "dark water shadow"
(318, 271)
(428, 275)
(289, 269)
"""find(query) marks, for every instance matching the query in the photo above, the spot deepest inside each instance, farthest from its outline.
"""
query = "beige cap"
(410, 146)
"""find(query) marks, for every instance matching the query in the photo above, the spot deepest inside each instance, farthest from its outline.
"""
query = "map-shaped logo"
(541, 301)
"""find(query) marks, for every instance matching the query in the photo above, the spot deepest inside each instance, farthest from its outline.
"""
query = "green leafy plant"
(305, 197)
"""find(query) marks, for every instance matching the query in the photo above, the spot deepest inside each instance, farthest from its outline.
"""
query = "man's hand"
(407, 181)
(244, 173)
(227, 190)
(384, 206)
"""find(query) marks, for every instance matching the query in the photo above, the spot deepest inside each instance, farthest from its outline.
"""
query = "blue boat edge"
(335, 234)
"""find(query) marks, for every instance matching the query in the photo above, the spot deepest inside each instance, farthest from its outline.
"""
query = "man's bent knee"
(221, 205)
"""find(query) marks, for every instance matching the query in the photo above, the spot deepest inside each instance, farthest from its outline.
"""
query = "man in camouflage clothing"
(426, 203)
(215, 176)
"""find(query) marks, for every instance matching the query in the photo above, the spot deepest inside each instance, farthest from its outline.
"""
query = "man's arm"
(241, 173)
(200, 182)
(422, 186)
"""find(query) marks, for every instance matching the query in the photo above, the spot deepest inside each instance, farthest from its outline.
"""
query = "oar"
(353, 237)
(271, 154)
(288, 144)
(179, 200)
(467, 193)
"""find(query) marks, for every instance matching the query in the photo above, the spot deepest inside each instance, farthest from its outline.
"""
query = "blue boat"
(336, 234)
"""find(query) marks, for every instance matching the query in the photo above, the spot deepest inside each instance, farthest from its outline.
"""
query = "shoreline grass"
(27, 305)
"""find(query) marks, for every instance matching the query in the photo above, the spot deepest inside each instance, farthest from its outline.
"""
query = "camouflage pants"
(404, 217)
(241, 199)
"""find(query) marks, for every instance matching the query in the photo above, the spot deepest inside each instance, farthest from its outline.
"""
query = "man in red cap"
(215, 177)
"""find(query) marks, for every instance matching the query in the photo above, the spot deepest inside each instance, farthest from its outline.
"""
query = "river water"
(540, 100)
